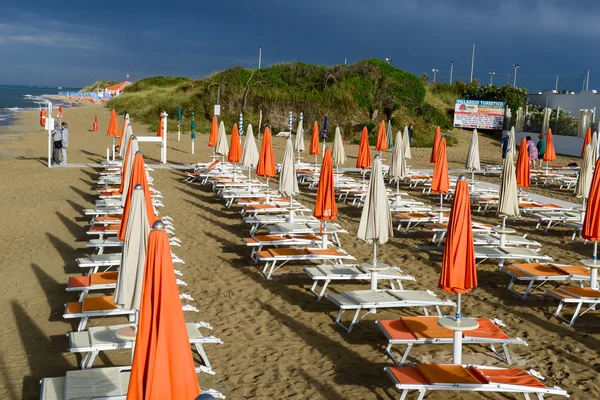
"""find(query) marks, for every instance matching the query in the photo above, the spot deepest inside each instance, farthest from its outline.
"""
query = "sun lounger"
(483, 253)
(200, 171)
(471, 378)
(577, 296)
(412, 219)
(257, 243)
(410, 331)
(109, 383)
(96, 262)
(102, 338)
(312, 228)
(232, 195)
(553, 218)
(274, 209)
(359, 300)
(258, 222)
(96, 307)
(325, 274)
(439, 230)
(114, 241)
(539, 274)
(277, 258)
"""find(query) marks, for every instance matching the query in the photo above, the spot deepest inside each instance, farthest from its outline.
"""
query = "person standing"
(410, 132)
(56, 145)
(65, 142)
(504, 144)
(541, 148)
(533, 152)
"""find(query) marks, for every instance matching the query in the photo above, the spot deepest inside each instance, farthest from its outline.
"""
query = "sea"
(15, 98)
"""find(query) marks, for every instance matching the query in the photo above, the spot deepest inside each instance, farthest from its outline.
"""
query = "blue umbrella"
(324, 135)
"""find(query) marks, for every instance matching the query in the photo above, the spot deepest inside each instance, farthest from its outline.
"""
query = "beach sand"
(279, 341)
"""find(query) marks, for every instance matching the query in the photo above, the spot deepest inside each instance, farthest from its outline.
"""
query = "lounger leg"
(405, 355)
(82, 324)
(207, 367)
(90, 362)
(421, 394)
(84, 359)
(83, 295)
(354, 320)
(528, 290)
(404, 394)
(322, 293)
(576, 314)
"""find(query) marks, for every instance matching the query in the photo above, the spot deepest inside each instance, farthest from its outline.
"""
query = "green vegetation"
(99, 84)
(353, 96)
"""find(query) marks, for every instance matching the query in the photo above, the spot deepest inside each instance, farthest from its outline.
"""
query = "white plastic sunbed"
(576, 296)
(470, 378)
(102, 338)
(278, 257)
(410, 331)
(257, 243)
(483, 253)
(258, 222)
(539, 274)
(359, 300)
(109, 383)
(106, 262)
(325, 274)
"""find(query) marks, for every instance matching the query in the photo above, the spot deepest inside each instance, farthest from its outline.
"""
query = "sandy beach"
(280, 342)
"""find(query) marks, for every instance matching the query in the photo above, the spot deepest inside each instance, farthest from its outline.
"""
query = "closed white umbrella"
(406, 139)
(584, 180)
(594, 147)
(398, 164)
(127, 164)
(511, 141)
(126, 136)
(288, 181)
(250, 153)
(472, 162)
(299, 144)
(128, 291)
(375, 224)
(508, 205)
(338, 154)
(222, 147)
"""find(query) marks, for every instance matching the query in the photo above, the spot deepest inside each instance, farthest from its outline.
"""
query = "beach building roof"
(118, 86)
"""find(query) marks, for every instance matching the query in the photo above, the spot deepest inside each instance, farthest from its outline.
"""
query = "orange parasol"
(163, 366)
(550, 154)
(441, 179)
(214, 132)
(159, 132)
(591, 223)
(113, 126)
(138, 176)
(382, 144)
(459, 274)
(314, 141)
(363, 160)
(587, 140)
(235, 148)
(266, 158)
(436, 142)
(523, 174)
(325, 207)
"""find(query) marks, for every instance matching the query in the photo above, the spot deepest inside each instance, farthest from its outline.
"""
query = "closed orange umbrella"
(235, 148)
(163, 366)
(436, 141)
(591, 223)
(550, 154)
(138, 177)
(363, 160)
(266, 158)
(523, 173)
(326, 207)
(382, 144)
(314, 141)
(214, 132)
(441, 179)
(587, 140)
(159, 132)
(459, 274)
(113, 126)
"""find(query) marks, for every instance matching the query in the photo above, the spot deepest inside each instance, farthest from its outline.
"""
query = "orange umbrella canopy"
(113, 126)
(363, 160)
(163, 366)
(266, 158)
(325, 207)
(550, 154)
(587, 140)
(459, 274)
(591, 223)
(214, 132)
(235, 148)
(138, 176)
(382, 144)
(314, 140)
(159, 132)
(441, 179)
(436, 142)
(523, 173)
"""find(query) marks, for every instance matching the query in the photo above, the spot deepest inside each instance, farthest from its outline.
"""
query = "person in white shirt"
(65, 142)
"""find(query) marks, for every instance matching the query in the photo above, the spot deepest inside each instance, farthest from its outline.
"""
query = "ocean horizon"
(15, 98)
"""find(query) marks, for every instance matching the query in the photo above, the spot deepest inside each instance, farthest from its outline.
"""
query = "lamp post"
(435, 71)
(451, 71)
(515, 66)
(388, 60)
(259, 56)
(491, 77)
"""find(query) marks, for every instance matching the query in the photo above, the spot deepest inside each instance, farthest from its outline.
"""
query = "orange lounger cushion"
(447, 373)
(396, 329)
(91, 304)
(108, 218)
(572, 269)
(287, 252)
(324, 252)
(408, 376)
(79, 281)
(537, 270)
(426, 327)
(104, 278)
(487, 329)
(579, 292)
(411, 215)
(506, 376)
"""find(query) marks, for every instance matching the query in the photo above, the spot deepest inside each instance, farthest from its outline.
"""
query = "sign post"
(164, 115)
(193, 132)
(179, 116)
(479, 114)
(49, 126)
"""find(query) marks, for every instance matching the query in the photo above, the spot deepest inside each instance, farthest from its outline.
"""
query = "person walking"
(56, 145)
(533, 152)
(504, 144)
(65, 142)
(541, 148)
(410, 132)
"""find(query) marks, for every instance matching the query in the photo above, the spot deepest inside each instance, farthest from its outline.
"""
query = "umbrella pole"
(503, 235)
(457, 336)
(291, 210)
(324, 235)
(234, 168)
(113, 148)
(583, 210)
(594, 270)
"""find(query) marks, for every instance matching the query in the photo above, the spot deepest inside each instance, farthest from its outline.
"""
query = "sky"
(73, 43)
